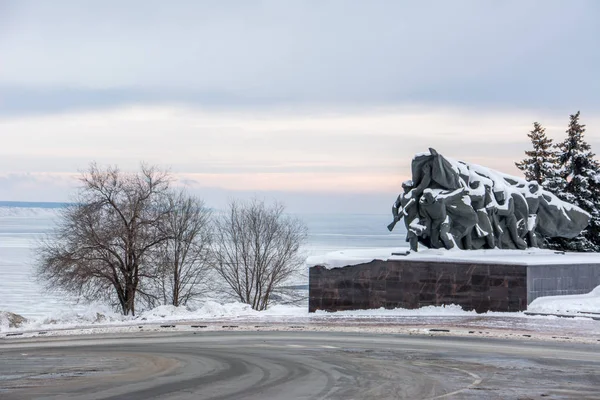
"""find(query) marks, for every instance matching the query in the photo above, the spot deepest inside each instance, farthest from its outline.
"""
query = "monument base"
(486, 280)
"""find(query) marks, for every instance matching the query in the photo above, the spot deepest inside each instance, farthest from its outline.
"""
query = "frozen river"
(21, 228)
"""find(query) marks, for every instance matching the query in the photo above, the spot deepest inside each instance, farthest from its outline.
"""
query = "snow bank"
(532, 256)
(92, 315)
(451, 310)
(10, 320)
(215, 310)
(4, 323)
(568, 304)
(99, 315)
(211, 311)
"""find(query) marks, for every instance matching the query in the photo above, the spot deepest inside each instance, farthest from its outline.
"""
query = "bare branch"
(256, 249)
(100, 245)
(182, 260)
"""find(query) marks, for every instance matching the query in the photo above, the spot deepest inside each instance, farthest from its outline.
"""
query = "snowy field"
(20, 228)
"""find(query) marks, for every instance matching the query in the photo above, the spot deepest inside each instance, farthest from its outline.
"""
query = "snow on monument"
(453, 204)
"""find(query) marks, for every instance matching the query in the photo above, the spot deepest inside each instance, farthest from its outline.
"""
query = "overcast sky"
(318, 103)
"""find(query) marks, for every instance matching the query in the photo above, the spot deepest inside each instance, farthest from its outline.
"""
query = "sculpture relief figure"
(521, 210)
(508, 219)
(484, 228)
(461, 215)
(424, 182)
(406, 207)
(532, 197)
(491, 206)
(397, 207)
(437, 223)
(453, 203)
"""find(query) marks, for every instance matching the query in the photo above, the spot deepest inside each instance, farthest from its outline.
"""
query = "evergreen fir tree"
(541, 161)
(575, 181)
(555, 181)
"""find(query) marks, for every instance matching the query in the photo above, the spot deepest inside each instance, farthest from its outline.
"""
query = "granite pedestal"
(475, 286)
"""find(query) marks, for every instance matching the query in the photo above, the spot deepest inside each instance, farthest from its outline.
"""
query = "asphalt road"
(294, 365)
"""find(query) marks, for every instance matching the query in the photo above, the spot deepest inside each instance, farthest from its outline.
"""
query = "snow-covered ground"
(212, 316)
(588, 303)
(100, 315)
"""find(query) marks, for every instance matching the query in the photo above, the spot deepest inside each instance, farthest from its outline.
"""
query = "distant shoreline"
(33, 204)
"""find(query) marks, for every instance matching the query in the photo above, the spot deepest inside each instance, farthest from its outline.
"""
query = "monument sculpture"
(454, 204)
(451, 204)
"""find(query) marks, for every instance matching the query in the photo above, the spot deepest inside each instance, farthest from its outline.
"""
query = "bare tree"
(256, 248)
(101, 244)
(182, 261)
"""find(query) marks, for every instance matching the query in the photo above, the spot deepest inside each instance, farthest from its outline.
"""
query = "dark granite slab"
(557, 280)
(414, 284)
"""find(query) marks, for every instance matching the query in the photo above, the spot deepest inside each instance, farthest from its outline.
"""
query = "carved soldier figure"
(507, 218)
(461, 216)
(533, 202)
(452, 203)
(424, 182)
(483, 228)
(436, 220)
(406, 207)
(491, 206)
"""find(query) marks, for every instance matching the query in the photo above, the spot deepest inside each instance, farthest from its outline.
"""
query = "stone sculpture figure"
(406, 207)
(508, 220)
(456, 204)
(462, 216)
(483, 228)
(437, 223)
(424, 180)
(533, 202)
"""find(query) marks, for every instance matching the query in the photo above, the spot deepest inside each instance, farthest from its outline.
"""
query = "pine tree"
(575, 181)
(555, 182)
(540, 161)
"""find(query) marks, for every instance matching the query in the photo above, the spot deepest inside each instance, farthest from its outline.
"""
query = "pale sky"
(321, 104)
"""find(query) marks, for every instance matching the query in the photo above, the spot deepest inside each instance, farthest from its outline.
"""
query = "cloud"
(315, 160)
(52, 187)
(313, 100)
(37, 186)
(66, 55)
(310, 150)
